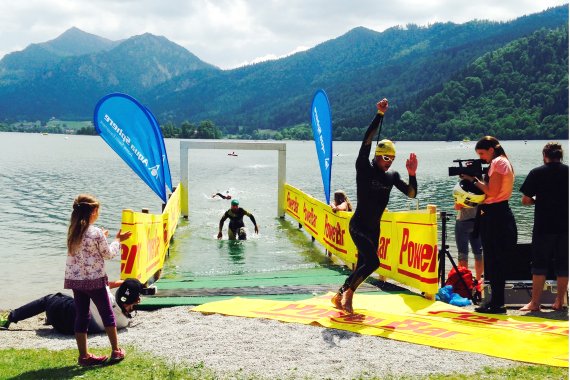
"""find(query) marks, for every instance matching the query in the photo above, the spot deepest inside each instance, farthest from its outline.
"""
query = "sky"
(230, 34)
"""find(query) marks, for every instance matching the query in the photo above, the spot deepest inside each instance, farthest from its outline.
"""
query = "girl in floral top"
(85, 274)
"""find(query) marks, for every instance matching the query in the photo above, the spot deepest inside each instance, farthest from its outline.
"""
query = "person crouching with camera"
(60, 308)
(495, 220)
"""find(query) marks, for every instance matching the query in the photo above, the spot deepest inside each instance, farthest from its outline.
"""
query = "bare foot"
(530, 307)
(336, 301)
(347, 301)
(558, 305)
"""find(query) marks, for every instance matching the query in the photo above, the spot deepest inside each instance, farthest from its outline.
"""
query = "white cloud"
(229, 33)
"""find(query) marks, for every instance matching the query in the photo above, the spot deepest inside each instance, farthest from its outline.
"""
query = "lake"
(42, 174)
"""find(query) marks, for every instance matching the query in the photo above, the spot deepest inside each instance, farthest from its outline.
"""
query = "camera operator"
(60, 308)
(495, 221)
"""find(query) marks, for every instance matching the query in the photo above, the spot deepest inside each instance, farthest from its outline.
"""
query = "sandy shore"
(264, 348)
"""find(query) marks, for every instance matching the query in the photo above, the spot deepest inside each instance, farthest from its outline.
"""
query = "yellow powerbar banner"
(408, 239)
(143, 254)
(411, 318)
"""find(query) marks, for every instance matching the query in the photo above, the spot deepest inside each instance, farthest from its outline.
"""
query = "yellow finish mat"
(414, 319)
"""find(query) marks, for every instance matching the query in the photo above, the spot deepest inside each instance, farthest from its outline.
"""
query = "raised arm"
(410, 189)
(364, 152)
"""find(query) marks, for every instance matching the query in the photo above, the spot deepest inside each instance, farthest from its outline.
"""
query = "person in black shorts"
(236, 226)
(546, 187)
(373, 185)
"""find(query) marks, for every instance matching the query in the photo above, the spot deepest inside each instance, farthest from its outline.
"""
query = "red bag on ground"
(459, 287)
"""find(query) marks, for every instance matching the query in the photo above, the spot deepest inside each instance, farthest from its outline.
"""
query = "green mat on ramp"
(279, 285)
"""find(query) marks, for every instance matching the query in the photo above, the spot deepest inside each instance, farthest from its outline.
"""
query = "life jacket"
(459, 287)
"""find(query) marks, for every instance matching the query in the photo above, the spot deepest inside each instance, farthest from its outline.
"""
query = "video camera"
(471, 167)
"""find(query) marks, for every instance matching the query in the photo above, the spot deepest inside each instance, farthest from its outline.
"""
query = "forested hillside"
(517, 92)
(405, 64)
(49, 85)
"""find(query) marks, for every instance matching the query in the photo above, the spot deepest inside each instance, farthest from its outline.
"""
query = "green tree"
(187, 130)
(207, 130)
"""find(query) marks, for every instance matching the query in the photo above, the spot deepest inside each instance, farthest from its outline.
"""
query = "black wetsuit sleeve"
(250, 216)
(223, 220)
(410, 189)
(364, 153)
(252, 219)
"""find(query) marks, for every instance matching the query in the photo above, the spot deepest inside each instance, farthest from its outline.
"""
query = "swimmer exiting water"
(236, 227)
(227, 196)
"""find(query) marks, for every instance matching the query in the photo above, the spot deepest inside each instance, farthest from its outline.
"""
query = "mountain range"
(65, 77)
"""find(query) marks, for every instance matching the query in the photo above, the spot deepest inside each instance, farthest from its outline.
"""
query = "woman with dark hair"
(341, 202)
(495, 220)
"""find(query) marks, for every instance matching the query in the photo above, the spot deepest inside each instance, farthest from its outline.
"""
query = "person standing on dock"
(373, 185)
(236, 226)
(546, 188)
(495, 221)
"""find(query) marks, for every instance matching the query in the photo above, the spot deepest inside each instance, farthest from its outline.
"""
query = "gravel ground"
(265, 348)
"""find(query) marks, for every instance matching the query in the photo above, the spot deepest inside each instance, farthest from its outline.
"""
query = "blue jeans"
(463, 230)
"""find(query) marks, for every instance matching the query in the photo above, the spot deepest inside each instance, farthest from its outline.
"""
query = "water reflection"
(235, 249)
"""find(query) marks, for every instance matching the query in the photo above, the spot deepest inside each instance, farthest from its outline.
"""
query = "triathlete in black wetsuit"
(373, 186)
(227, 196)
(236, 226)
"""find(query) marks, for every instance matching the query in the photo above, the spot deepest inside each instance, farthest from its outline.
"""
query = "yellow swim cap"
(385, 148)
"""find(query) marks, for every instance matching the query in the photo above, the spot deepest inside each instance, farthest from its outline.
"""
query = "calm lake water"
(41, 175)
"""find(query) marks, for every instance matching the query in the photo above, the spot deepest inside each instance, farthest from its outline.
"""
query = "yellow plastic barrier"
(414, 319)
(408, 239)
(171, 215)
(143, 254)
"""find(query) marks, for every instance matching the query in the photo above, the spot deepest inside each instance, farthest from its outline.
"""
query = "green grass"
(46, 364)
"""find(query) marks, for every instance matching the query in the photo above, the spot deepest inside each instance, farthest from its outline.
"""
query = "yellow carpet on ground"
(414, 319)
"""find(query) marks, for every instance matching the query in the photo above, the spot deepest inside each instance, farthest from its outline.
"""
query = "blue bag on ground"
(446, 294)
